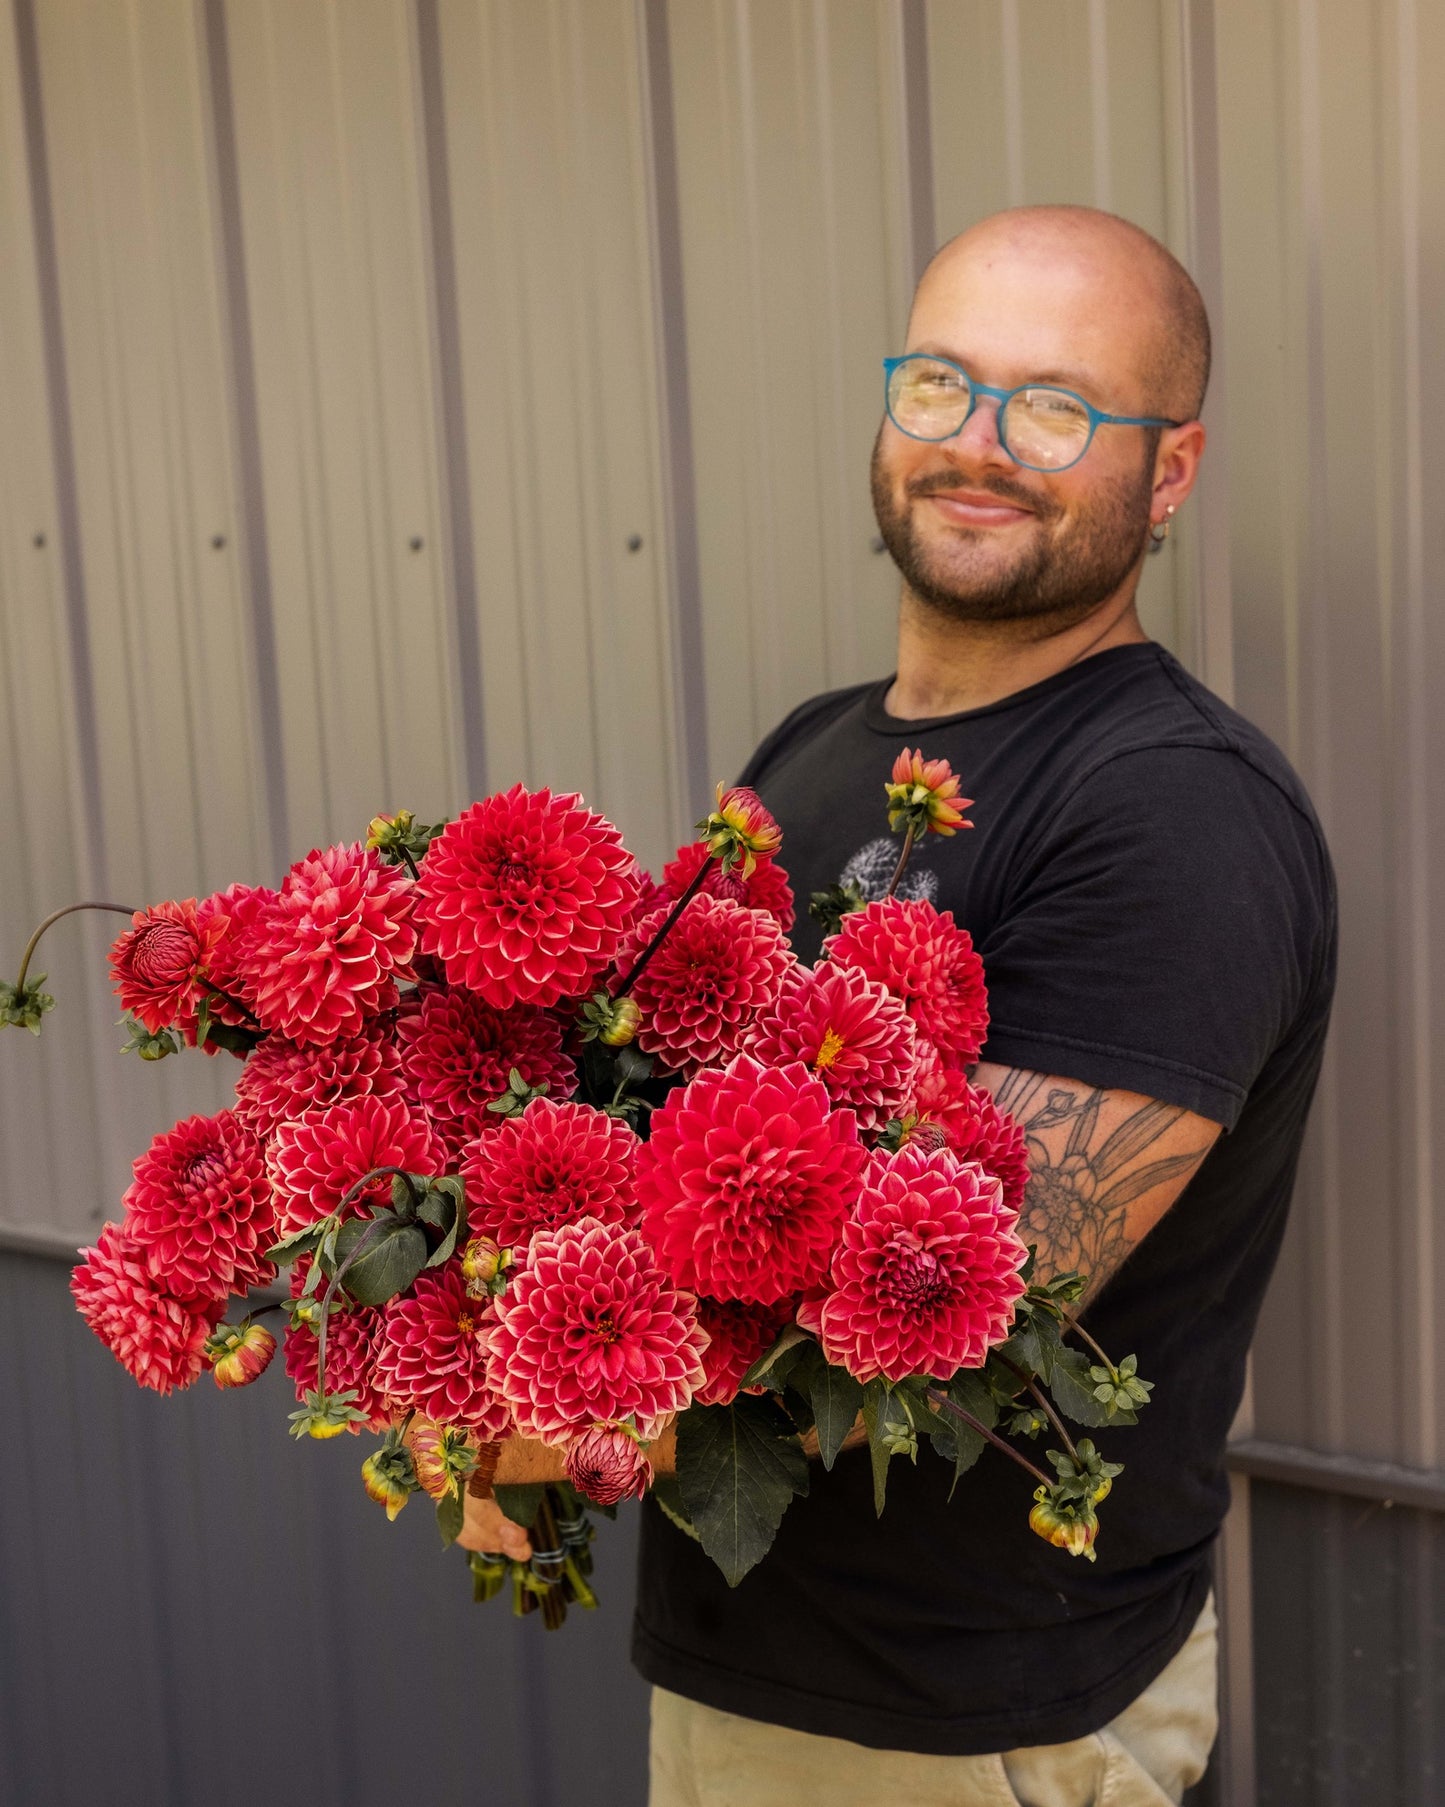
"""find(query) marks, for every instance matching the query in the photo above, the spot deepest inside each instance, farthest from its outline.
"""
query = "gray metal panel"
(193, 1610)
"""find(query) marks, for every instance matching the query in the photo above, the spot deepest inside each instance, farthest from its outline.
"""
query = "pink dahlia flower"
(593, 1329)
(745, 1181)
(227, 920)
(929, 965)
(200, 1208)
(325, 953)
(551, 1165)
(847, 1029)
(737, 1336)
(720, 965)
(160, 1341)
(352, 1337)
(607, 1465)
(927, 1273)
(975, 1128)
(316, 1158)
(457, 1051)
(282, 1079)
(526, 896)
(157, 964)
(432, 1355)
(767, 889)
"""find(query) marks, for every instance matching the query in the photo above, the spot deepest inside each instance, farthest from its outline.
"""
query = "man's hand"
(1104, 1167)
(487, 1528)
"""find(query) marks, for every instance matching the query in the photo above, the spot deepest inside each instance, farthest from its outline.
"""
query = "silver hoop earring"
(1159, 530)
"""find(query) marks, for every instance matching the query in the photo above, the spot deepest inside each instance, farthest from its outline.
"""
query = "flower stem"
(1073, 1324)
(411, 865)
(902, 861)
(639, 965)
(976, 1424)
(341, 1266)
(120, 910)
(1043, 1400)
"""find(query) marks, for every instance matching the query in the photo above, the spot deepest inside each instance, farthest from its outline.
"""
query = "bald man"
(1152, 897)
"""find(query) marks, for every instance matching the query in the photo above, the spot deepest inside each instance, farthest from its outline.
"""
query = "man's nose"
(978, 437)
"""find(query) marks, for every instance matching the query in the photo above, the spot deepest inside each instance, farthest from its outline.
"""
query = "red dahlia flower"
(929, 965)
(927, 1272)
(592, 1329)
(324, 954)
(848, 1030)
(457, 1051)
(282, 1079)
(737, 1336)
(227, 920)
(158, 1340)
(433, 1355)
(526, 896)
(607, 1465)
(975, 1128)
(157, 964)
(745, 1180)
(315, 1159)
(551, 1165)
(200, 1209)
(720, 965)
(767, 889)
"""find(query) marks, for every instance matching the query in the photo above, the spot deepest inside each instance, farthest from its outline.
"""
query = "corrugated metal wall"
(405, 396)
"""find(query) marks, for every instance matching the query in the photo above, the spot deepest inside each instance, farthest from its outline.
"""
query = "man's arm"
(1104, 1166)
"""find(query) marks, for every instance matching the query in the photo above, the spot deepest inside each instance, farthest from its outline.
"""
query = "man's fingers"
(487, 1528)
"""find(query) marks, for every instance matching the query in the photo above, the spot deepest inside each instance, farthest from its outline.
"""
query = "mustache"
(936, 482)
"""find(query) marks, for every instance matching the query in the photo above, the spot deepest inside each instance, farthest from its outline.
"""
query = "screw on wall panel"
(634, 542)
(218, 540)
(40, 539)
(876, 545)
(415, 542)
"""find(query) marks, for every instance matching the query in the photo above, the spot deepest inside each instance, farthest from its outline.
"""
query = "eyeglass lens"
(1046, 428)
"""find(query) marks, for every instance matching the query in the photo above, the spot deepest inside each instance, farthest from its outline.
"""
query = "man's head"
(1067, 296)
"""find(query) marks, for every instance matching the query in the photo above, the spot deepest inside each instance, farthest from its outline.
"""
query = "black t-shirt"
(1153, 900)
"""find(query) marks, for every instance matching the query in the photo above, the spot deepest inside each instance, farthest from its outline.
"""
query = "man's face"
(977, 536)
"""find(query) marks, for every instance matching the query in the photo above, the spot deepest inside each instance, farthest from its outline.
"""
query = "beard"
(1055, 580)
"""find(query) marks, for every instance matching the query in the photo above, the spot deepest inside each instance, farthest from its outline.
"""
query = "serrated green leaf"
(738, 1467)
(668, 1495)
(834, 1396)
(520, 1501)
(954, 1440)
(451, 1513)
(767, 1369)
(1073, 1391)
(395, 1253)
(877, 1400)
(299, 1242)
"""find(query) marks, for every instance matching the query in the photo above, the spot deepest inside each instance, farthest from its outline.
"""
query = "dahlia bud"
(326, 1415)
(607, 1464)
(383, 833)
(1067, 1524)
(484, 1267)
(740, 831)
(442, 1457)
(239, 1353)
(22, 1005)
(626, 1017)
(389, 1477)
(924, 796)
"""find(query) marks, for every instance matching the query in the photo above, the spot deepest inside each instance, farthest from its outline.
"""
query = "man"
(1153, 901)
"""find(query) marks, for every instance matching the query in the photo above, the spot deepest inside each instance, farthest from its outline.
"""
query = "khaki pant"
(1147, 1757)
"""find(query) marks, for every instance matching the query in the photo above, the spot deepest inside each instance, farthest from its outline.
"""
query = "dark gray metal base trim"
(1357, 1475)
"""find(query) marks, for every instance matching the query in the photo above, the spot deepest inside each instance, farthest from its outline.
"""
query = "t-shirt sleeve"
(1163, 933)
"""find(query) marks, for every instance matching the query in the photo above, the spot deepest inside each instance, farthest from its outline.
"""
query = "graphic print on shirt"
(872, 866)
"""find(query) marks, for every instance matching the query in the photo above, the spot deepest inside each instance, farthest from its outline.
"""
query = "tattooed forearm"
(1103, 1166)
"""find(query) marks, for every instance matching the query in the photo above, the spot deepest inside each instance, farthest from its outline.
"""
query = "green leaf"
(1073, 1390)
(769, 1369)
(299, 1242)
(877, 1400)
(668, 1495)
(444, 1207)
(738, 1467)
(1034, 1345)
(404, 1195)
(954, 1440)
(834, 1395)
(450, 1514)
(520, 1502)
(395, 1253)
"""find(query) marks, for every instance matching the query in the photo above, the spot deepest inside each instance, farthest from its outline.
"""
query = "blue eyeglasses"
(1041, 427)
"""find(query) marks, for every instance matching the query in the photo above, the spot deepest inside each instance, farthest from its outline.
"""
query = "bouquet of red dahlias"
(555, 1151)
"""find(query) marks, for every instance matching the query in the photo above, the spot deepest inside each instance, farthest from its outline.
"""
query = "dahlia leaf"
(298, 1243)
(768, 1370)
(738, 1467)
(1073, 1391)
(520, 1502)
(834, 1395)
(666, 1493)
(1034, 1345)
(395, 1253)
(954, 1440)
(450, 1516)
(877, 1396)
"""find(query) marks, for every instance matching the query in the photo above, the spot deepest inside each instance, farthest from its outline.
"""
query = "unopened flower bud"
(924, 796)
(626, 1017)
(239, 1353)
(740, 831)
(385, 832)
(1068, 1525)
(607, 1464)
(389, 1478)
(442, 1457)
(484, 1266)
